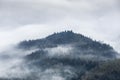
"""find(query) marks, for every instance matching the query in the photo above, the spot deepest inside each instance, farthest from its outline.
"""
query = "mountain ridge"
(79, 41)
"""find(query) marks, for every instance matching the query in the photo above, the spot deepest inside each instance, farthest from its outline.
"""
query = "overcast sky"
(31, 19)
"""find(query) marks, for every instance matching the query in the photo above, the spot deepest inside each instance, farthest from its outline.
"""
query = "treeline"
(106, 71)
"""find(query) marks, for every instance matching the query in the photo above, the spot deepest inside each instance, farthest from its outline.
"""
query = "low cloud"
(62, 50)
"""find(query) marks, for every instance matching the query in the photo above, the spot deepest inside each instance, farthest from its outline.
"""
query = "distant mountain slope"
(67, 37)
(80, 43)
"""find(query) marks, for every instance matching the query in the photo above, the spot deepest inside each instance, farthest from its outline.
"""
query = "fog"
(34, 19)
(62, 50)
(14, 65)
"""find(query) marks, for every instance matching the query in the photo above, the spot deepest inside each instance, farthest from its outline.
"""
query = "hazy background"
(31, 19)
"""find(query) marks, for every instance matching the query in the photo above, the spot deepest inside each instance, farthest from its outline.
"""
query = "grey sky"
(31, 19)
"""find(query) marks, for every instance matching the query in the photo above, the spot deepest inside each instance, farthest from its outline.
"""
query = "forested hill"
(66, 56)
(81, 43)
